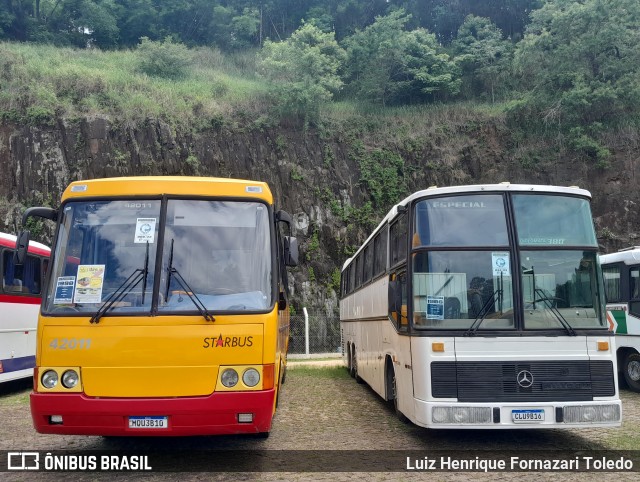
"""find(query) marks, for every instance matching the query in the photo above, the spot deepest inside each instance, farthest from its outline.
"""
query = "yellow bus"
(165, 310)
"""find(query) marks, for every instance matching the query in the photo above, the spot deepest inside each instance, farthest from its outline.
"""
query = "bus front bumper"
(505, 415)
(217, 414)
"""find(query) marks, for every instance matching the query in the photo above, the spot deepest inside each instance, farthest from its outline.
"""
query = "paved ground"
(324, 409)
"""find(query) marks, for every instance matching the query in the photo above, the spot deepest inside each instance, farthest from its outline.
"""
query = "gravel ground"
(322, 409)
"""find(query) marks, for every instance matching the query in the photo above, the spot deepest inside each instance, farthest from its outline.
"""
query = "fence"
(320, 336)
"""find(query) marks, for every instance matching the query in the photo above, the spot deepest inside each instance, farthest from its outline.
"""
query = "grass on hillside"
(41, 82)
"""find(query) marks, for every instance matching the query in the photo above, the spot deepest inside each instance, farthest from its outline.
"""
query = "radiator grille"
(540, 381)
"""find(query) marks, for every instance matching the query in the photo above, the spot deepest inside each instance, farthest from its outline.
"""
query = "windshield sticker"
(64, 290)
(89, 285)
(500, 262)
(459, 204)
(435, 307)
(145, 230)
(543, 241)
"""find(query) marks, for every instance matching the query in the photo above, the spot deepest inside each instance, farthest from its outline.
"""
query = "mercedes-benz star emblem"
(525, 379)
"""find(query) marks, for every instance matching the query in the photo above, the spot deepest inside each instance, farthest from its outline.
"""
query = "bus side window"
(634, 285)
(612, 288)
(21, 279)
(398, 300)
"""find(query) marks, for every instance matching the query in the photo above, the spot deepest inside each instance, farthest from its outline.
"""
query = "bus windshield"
(560, 283)
(220, 251)
(464, 263)
(454, 289)
(217, 251)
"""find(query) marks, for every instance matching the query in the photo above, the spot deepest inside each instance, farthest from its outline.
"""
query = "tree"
(444, 17)
(303, 71)
(483, 54)
(136, 20)
(166, 59)
(387, 64)
(580, 60)
(235, 30)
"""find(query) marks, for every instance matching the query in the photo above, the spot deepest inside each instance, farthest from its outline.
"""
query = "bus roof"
(473, 188)
(9, 241)
(173, 185)
(627, 256)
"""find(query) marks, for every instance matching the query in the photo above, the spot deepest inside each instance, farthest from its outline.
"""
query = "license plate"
(148, 422)
(520, 416)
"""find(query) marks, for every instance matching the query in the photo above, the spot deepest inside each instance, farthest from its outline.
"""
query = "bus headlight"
(49, 379)
(251, 377)
(70, 379)
(229, 378)
(591, 413)
(461, 415)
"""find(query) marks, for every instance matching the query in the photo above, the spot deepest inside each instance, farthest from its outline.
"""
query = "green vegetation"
(163, 59)
(579, 68)
(40, 83)
(303, 71)
(383, 173)
(334, 280)
(314, 371)
(389, 65)
(10, 397)
(569, 73)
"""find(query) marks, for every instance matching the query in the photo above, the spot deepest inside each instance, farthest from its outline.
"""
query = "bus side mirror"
(22, 242)
(39, 212)
(395, 297)
(290, 251)
(22, 246)
(283, 217)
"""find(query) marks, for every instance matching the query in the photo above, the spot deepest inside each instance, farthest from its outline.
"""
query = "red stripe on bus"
(21, 300)
(8, 243)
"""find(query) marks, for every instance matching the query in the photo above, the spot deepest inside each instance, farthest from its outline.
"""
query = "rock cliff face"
(333, 181)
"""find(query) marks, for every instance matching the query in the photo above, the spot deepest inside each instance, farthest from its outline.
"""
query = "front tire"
(355, 368)
(631, 371)
(394, 393)
(284, 372)
(352, 373)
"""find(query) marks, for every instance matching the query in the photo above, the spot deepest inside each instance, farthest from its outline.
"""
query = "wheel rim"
(633, 370)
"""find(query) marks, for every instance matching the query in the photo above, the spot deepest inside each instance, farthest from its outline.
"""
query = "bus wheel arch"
(631, 369)
(391, 389)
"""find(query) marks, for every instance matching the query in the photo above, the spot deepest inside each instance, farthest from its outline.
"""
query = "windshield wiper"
(125, 288)
(482, 314)
(185, 287)
(543, 297)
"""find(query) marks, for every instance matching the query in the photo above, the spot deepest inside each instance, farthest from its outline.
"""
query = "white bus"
(621, 273)
(20, 294)
(482, 307)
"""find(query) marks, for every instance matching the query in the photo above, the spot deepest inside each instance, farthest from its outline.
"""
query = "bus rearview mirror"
(22, 246)
(290, 251)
